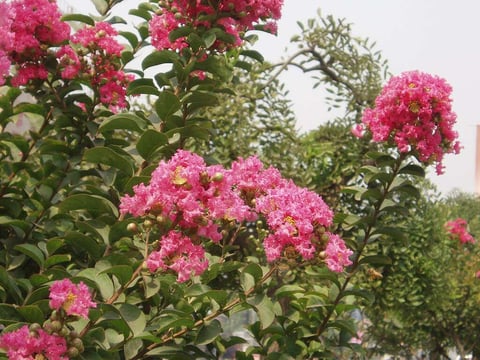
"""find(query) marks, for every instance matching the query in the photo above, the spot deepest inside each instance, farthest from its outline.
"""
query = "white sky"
(435, 36)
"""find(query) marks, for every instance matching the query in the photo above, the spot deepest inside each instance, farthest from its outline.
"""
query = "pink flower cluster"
(232, 16)
(178, 253)
(33, 33)
(458, 229)
(192, 202)
(23, 344)
(29, 28)
(100, 64)
(414, 112)
(74, 299)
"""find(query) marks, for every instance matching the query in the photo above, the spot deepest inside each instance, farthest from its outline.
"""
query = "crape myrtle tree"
(119, 242)
(427, 301)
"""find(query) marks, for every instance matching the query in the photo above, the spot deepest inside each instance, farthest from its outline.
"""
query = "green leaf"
(152, 286)
(160, 57)
(180, 32)
(10, 285)
(150, 141)
(144, 14)
(131, 37)
(31, 314)
(412, 169)
(376, 260)
(167, 104)
(108, 156)
(345, 325)
(57, 259)
(122, 272)
(134, 317)
(86, 243)
(92, 203)
(208, 333)
(8, 314)
(198, 99)
(100, 281)
(264, 308)
(101, 6)
(288, 290)
(32, 252)
(253, 55)
(250, 275)
(142, 86)
(209, 38)
(80, 18)
(124, 121)
(132, 347)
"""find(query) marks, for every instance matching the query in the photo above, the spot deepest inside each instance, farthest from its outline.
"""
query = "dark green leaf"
(160, 57)
(57, 259)
(208, 333)
(122, 272)
(142, 86)
(376, 260)
(92, 203)
(250, 275)
(167, 104)
(150, 141)
(134, 317)
(253, 55)
(108, 156)
(124, 121)
(32, 252)
(80, 18)
(31, 314)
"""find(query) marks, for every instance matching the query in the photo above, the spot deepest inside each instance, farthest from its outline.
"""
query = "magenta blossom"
(75, 299)
(458, 229)
(178, 253)
(22, 344)
(338, 255)
(414, 112)
(234, 17)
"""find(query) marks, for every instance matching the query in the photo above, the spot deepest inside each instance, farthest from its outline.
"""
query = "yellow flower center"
(69, 301)
(414, 107)
(177, 179)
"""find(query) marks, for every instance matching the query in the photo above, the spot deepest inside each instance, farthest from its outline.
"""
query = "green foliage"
(430, 274)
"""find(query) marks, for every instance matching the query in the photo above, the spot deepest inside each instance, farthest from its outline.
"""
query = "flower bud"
(148, 224)
(72, 352)
(132, 227)
(56, 326)
(217, 177)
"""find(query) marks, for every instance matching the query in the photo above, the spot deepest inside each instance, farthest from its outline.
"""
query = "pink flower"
(414, 112)
(29, 71)
(338, 255)
(21, 344)
(69, 62)
(358, 130)
(160, 27)
(36, 23)
(458, 229)
(357, 339)
(477, 274)
(4, 67)
(292, 214)
(178, 253)
(232, 16)
(74, 299)
(99, 37)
